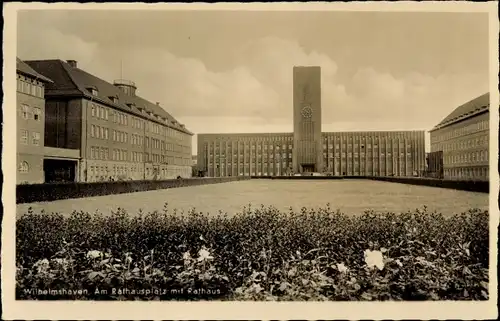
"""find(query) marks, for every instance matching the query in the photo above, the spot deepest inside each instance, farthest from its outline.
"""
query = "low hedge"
(29, 193)
(463, 185)
(259, 254)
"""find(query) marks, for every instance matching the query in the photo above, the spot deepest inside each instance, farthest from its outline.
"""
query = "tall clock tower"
(307, 148)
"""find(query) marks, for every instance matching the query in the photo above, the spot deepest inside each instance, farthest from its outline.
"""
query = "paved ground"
(350, 196)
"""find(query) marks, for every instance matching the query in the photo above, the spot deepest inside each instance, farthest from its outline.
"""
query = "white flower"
(203, 255)
(61, 262)
(94, 254)
(374, 259)
(42, 265)
(342, 268)
(186, 256)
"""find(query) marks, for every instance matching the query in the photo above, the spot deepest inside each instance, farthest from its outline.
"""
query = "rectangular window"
(25, 111)
(37, 113)
(93, 110)
(92, 131)
(35, 138)
(27, 88)
(24, 137)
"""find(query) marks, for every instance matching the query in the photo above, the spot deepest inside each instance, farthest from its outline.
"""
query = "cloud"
(255, 92)
(35, 43)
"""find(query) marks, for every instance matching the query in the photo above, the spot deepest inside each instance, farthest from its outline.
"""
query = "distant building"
(308, 149)
(98, 131)
(435, 165)
(30, 124)
(463, 138)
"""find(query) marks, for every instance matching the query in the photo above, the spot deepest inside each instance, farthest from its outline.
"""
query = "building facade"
(114, 133)
(435, 167)
(30, 124)
(463, 137)
(307, 149)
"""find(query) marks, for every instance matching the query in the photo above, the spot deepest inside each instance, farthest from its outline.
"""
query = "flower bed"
(260, 254)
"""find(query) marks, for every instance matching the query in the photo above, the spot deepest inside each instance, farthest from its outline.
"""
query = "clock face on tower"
(307, 112)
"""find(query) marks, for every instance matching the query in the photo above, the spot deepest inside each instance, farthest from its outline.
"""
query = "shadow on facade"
(57, 170)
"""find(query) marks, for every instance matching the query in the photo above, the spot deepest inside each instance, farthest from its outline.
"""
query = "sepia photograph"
(294, 154)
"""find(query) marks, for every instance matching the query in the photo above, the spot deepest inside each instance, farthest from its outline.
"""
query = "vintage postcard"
(250, 161)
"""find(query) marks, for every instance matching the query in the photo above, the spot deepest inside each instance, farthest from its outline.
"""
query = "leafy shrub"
(259, 254)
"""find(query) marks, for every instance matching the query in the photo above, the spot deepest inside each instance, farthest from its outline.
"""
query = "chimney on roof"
(72, 63)
(157, 103)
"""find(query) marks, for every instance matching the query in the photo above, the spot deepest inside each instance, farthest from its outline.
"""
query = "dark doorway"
(57, 170)
(308, 168)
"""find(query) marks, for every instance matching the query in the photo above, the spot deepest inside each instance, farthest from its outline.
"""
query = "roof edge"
(460, 119)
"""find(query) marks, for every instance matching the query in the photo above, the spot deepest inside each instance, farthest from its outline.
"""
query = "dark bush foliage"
(260, 254)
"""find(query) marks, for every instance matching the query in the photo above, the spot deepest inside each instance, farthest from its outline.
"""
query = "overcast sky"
(223, 71)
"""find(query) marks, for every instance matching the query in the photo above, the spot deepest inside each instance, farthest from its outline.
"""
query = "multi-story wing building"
(30, 124)
(111, 132)
(463, 137)
(308, 149)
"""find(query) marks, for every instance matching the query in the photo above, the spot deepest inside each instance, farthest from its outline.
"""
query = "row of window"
(325, 161)
(99, 112)
(457, 132)
(122, 137)
(363, 155)
(468, 143)
(99, 132)
(391, 136)
(330, 147)
(368, 146)
(137, 123)
(137, 157)
(25, 137)
(106, 172)
(277, 165)
(247, 147)
(99, 153)
(137, 140)
(284, 155)
(121, 118)
(102, 153)
(28, 112)
(29, 87)
(279, 171)
(481, 172)
(477, 156)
